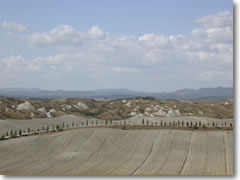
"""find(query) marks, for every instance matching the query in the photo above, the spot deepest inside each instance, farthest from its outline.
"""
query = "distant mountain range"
(182, 94)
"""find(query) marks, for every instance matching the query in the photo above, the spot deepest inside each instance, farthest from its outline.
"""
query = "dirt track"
(93, 151)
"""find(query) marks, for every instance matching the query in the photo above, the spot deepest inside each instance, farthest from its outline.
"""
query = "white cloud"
(96, 32)
(125, 69)
(14, 26)
(205, 53)
(221, 19)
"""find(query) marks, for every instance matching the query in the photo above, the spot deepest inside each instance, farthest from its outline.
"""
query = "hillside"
(11, 108)
(94, 151)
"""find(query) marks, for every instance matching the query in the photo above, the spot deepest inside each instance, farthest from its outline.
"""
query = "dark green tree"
(2, 137)
(143, 122)
(20, 132)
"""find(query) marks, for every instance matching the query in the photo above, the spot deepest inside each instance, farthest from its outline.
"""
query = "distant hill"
(220, 93)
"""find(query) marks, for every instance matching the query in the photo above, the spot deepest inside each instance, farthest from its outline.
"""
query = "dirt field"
(95, 151)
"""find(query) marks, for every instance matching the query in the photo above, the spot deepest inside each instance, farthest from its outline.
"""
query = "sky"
(142, 45)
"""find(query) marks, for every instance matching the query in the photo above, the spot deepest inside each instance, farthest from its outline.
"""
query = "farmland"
(122, 137)
(101, 151)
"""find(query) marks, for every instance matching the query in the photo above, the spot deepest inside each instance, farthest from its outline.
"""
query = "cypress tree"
(2, 137)
(143, 122)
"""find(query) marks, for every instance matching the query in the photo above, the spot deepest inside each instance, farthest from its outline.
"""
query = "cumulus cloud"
(205, 53)
(221, 19)
(14, 26)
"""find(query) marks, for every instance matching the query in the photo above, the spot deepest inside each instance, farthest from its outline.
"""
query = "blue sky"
(155, 45)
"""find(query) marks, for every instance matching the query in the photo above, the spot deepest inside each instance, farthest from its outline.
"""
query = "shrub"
(141, 110)
(2, 137)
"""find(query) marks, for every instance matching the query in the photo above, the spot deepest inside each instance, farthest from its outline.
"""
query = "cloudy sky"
(143, 45)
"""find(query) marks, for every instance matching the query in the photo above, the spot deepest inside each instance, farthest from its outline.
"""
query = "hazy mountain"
(182, 94)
